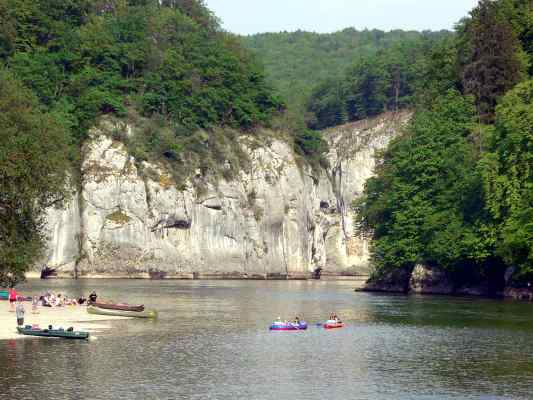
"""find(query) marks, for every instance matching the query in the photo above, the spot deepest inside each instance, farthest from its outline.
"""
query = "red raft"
(331, 324)
(118, 306)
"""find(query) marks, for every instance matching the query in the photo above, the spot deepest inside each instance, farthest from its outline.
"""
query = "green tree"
(493, 58)
(33, 168)
(426, 205)
(508, 176)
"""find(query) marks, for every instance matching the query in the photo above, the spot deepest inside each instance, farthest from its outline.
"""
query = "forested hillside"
(66, 63)
(456, 190)
(296, 61)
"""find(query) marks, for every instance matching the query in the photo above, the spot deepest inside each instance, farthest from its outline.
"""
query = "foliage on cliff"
(33, 163)
(456, 189)
(170, 59)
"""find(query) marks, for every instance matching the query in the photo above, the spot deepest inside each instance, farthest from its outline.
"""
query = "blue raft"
(288, 326)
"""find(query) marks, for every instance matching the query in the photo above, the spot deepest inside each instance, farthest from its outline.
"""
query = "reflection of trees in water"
(463, 345)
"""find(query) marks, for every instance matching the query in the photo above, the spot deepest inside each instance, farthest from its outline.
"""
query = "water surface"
(212, 342)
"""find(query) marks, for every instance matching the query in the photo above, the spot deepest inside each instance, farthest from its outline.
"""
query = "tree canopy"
(455, 190)
(34, 162)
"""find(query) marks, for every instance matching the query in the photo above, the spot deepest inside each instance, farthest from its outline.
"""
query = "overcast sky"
(253, 16)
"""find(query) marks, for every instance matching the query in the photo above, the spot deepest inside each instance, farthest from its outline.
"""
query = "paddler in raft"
(333, 317)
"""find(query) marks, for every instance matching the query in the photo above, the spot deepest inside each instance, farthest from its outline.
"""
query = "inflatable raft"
(288, 326)
(333, 324)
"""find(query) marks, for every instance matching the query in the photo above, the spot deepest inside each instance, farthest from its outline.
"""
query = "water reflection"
(211, 342)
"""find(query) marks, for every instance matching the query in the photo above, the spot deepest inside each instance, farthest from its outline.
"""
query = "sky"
(255, 16)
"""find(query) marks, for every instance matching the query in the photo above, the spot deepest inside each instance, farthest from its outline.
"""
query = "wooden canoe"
(118, 306)
(121, 313)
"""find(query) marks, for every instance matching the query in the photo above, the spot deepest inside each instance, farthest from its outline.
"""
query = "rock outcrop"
(276, 219)
(430, 280)
(425, 279)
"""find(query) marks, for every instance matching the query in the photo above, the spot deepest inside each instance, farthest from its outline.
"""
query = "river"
(211, 341)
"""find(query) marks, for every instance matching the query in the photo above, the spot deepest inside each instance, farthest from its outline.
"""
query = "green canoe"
(121, 313)
(59, 333)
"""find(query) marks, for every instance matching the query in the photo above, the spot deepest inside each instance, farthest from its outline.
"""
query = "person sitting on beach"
(82, 300)
(72, 302)
(45, 301)
(58, 301)
(297, 320)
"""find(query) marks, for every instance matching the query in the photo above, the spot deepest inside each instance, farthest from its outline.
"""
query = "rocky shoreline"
(427, 280)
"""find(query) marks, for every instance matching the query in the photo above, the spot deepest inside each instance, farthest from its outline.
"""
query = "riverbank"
(426, 280)
(75, 316)
(358, 279)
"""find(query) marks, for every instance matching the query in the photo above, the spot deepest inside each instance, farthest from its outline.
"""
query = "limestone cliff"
(276, 219)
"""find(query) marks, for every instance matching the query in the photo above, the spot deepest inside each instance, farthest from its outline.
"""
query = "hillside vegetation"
(296, 61)
(331, 79)
(456, 189)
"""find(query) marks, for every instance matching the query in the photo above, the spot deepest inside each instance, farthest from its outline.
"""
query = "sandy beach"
(75, 316)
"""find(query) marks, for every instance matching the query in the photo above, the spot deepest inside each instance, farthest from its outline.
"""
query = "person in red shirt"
(12, 299)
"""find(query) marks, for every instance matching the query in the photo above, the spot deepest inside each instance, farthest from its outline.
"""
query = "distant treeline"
(330, 79)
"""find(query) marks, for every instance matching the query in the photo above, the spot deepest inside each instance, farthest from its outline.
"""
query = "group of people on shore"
(49, 299)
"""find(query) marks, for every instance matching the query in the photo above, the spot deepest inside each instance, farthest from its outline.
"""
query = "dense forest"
(296, 61)
(330, 79)
(66, 63)
(456, 189)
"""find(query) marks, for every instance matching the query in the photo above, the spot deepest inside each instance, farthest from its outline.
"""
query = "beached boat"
(118, 306)
(121, 313)
(58, 333)
(333, 324)
(288, 326)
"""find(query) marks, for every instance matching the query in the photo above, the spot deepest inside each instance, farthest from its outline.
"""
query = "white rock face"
(274, 219)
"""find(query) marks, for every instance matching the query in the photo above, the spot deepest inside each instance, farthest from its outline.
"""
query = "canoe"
(121, 313)
(119, 306)
(333, 324)
(59, 333)
(289, 326)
